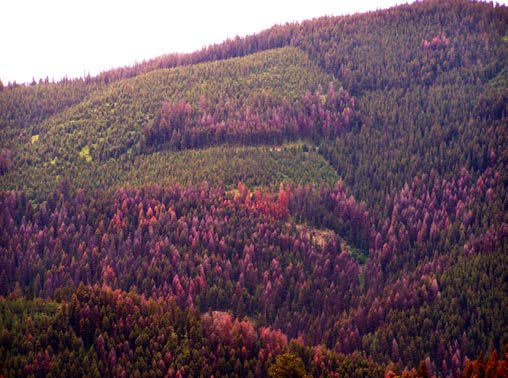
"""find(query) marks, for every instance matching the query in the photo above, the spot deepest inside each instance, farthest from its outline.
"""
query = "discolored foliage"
(326, 197)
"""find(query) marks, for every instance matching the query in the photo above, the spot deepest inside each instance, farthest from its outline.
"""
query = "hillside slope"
(252, 100)
(331, 193)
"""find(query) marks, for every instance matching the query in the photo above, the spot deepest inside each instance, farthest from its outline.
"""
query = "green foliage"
(106, 127)
(84, 154)
(205, 182)
(256, 166)
(24, 108)
(261, 166)
(287, 366)
(100, 332)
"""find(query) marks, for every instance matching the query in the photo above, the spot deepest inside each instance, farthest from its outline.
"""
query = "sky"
(58, 38)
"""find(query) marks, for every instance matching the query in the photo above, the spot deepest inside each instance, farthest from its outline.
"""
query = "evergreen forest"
(325, 198)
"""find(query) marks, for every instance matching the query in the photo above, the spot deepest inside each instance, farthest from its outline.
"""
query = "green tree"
(287, 365)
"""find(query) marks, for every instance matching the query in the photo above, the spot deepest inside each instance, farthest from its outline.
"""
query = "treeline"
(373, 51)
(378, 50)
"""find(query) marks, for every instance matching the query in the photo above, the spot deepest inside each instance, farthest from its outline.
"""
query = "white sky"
(55, 38)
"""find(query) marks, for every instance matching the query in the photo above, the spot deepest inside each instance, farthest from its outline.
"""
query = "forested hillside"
(326, 198)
